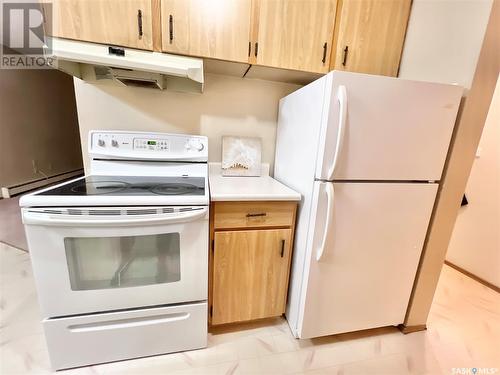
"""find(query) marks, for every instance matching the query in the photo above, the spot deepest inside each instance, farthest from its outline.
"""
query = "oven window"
(121, 262)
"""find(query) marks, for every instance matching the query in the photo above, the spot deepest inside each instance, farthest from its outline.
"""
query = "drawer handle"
(128, 323)
(256, 215)
(282, 253)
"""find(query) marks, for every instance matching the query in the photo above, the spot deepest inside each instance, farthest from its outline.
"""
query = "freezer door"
(360, 274)
(383, 128)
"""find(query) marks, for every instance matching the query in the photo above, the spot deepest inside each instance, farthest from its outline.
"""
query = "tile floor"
(463, 331)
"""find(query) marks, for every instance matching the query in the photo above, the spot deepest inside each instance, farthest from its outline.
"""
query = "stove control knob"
(114, 143)
(196, 145)
(101, 143)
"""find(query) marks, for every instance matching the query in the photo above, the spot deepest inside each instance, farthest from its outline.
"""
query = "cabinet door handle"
(139, 23)
(256, 48)
(256, 215)
(346, 50)
(249, 48)
(171, 28)
(282, 253)
(325, 46)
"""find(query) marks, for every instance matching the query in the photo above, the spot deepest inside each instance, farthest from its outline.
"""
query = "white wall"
(228, 106)
(443, 40)
(475, 244)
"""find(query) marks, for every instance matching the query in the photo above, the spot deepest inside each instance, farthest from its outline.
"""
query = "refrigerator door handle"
(342, 98)
(330, 194)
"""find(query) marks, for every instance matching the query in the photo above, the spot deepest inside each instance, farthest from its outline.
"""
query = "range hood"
(125, 66)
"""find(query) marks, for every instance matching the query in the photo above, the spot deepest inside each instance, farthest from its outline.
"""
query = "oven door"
(111, 258)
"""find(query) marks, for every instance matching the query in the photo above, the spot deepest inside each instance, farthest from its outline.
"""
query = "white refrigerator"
(366, 153)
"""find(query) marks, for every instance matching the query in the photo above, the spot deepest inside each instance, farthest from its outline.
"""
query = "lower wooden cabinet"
(250, 270)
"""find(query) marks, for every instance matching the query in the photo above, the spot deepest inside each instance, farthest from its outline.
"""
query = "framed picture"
(241, 156)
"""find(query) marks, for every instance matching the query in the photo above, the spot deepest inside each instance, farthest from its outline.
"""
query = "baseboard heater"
(10, 191)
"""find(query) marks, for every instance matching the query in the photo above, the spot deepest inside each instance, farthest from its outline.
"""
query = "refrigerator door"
(366, 241)
(299, 122)
(383, 128)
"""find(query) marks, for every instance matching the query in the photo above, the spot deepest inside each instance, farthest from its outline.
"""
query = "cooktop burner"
(131, 186)
(173, 189)
(99, 187)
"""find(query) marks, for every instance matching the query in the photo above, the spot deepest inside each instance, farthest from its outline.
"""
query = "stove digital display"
(152, 143)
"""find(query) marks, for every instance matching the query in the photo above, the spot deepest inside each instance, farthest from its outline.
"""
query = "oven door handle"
(33, 217)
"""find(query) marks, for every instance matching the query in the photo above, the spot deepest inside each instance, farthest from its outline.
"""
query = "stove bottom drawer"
(106, 337)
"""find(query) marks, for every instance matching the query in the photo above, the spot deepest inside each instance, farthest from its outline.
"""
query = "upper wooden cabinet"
(370, 36)
(305, 35)
(125, 23)
(294, 34)
(218, 28)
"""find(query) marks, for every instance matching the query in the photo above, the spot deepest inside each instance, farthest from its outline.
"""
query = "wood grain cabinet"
(293, 34)
(307, 35)
(125, 23)
(216, 29)
(370, 35)
(250, 259)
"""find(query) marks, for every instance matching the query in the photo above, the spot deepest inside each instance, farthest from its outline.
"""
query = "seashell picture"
(241, 156)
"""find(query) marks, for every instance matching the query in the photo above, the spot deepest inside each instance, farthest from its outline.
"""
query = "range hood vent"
(125, 66)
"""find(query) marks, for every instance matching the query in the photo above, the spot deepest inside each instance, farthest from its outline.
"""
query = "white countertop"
(263, 188)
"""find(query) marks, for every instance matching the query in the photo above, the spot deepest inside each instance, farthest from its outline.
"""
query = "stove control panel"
(149, 146)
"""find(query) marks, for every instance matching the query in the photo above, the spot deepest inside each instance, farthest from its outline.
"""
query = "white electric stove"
(120, 256)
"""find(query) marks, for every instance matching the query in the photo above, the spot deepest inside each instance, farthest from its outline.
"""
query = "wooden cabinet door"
(250, 275)
(218, 29)
(294, 34)
(370, 36)
(125, 23)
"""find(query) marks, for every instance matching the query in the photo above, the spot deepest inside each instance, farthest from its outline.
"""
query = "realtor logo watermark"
(474, 370)
(23, 41)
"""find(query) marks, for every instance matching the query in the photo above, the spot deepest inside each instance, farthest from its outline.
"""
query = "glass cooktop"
(131, 186)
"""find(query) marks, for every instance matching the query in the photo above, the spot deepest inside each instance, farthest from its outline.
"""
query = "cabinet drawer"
(228, 215)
